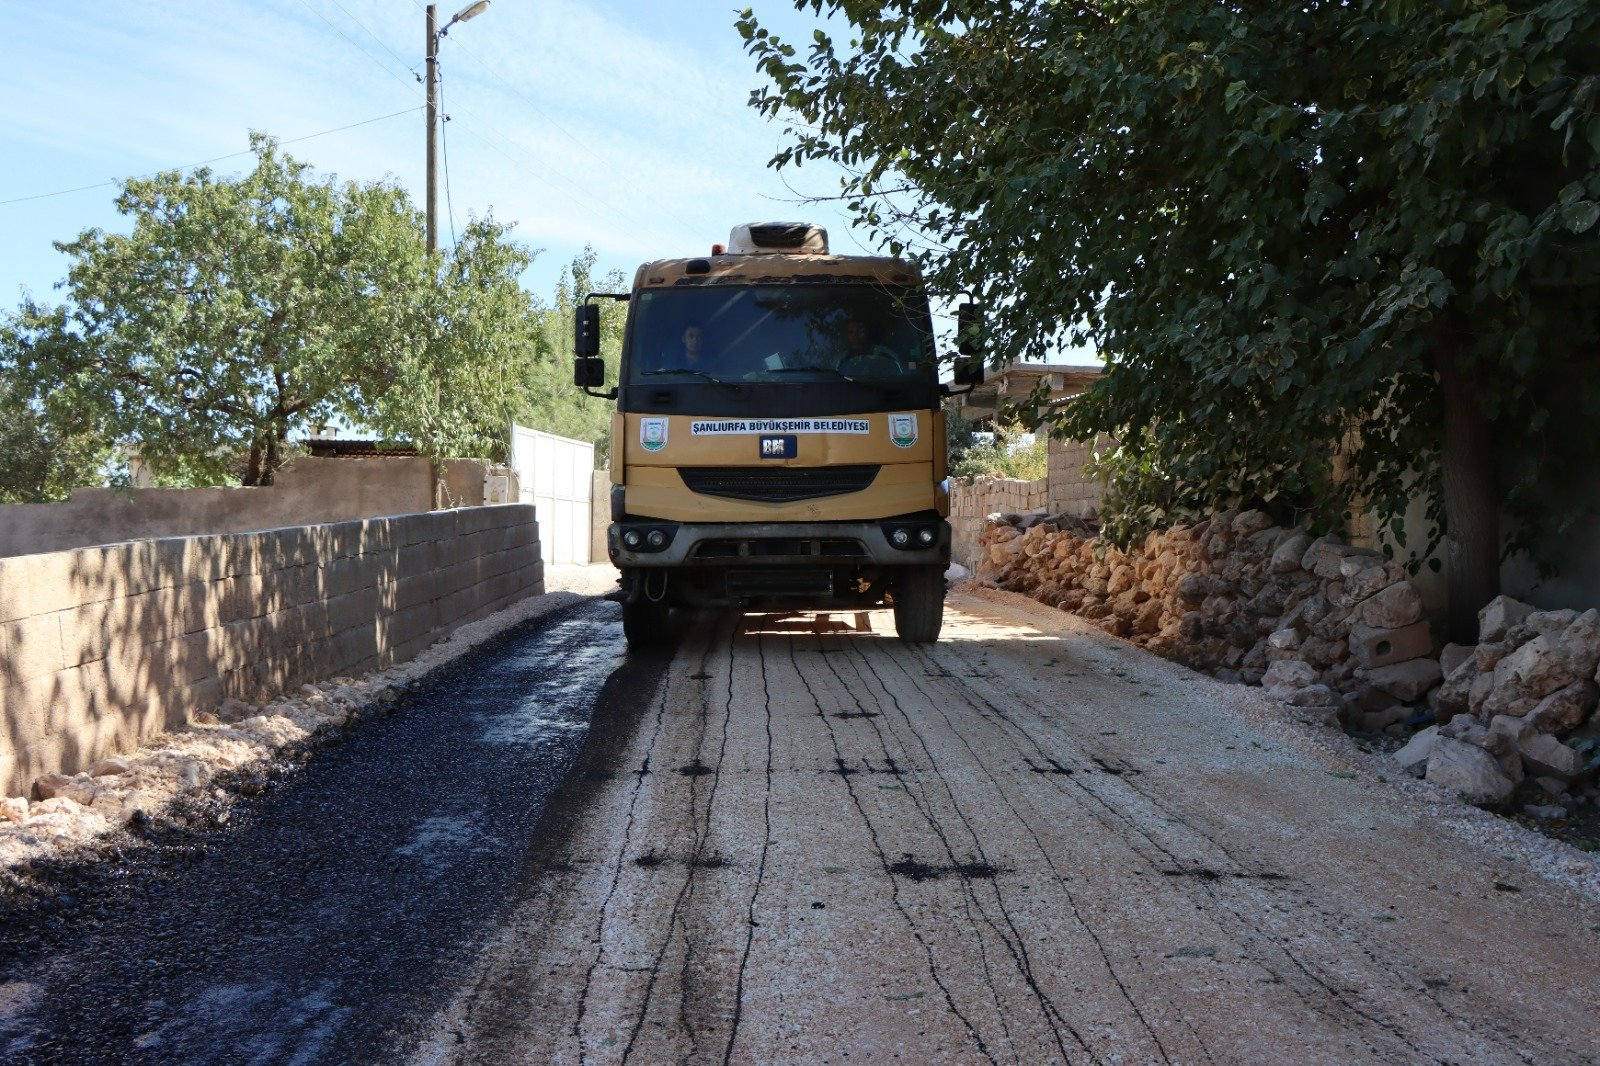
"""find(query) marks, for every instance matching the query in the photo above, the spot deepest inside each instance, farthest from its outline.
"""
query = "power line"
(412, 67)
(542, 113)
(444, 141)
(572, 191)
(214, 159)
(357, 44)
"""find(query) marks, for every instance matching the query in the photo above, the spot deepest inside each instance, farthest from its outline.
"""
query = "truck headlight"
(925, 537)
(900, 537)
(631, 538)
(657, 539)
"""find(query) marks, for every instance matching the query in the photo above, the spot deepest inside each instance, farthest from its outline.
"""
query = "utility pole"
(433, 129)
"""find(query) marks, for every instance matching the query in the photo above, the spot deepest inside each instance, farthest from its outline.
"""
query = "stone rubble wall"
(1519, 704)
(1239, 597)
(103, 647)
(973, 500)
(1335, 631)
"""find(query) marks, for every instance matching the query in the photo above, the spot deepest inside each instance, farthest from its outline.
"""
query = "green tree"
(1364, 227)
(551, 403)
(44, 453)
(1010, 452)
(240, 310)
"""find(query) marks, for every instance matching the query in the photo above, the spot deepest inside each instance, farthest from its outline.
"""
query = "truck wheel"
(644, 624)
(919, 604)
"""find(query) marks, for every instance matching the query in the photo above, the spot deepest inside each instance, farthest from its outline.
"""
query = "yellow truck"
(779, 441)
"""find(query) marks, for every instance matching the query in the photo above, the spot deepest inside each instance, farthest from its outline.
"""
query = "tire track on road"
(1044, 852)
(603, 913)
(702, 831)
(761, 868)
(1245, 930)
(894, 886)
(1014, 942)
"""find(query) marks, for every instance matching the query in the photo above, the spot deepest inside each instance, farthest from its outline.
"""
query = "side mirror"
(586, 332)
(969, 330)
(589, 371)
(969, 372)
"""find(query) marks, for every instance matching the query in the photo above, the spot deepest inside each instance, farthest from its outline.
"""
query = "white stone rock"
(1406, 681)
(1468, 771)
(1533, 671)
(1506, 725)
(1284, 639)
(1287, 556)
(1451, 656)
(109, 768)
(1580, 644)
(14, 809)
(1565, 708)
(1398, 605)
(1313, 696)
(1290, 674)
(1548, 757)
(1418, 748)
(1550, 621)
(1499, 615)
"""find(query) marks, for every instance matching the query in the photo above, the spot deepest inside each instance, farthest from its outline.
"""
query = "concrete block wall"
(307, 491)
(1072, 490)
(973, 501)
(101, 648)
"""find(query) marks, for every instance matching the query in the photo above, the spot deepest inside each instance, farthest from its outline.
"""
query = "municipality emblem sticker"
(903, 430)
(653, 434)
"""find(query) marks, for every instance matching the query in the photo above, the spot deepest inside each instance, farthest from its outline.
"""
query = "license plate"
(783, 447)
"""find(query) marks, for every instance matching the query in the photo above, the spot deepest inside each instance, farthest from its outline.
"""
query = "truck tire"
(644, 624)
(919, 604)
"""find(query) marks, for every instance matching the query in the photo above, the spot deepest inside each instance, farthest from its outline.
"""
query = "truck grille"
(777, 484)
(779, 581)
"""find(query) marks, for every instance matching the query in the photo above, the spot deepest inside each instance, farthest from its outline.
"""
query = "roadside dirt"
(1028, 843)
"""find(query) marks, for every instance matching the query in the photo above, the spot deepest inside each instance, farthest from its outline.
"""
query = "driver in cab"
(862, 357)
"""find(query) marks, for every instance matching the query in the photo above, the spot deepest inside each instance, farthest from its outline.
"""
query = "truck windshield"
(802, 333)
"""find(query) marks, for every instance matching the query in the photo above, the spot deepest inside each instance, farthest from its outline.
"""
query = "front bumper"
(780, 544)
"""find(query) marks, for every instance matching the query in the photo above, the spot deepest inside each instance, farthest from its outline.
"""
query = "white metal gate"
(557, 476)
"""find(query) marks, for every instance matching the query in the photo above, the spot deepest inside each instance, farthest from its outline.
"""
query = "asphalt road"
(340, 906)
(794, 839)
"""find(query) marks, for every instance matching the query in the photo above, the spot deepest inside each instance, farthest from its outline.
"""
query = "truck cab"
(778, 442)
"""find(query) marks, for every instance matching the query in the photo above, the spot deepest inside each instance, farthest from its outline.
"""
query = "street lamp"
(471, 11)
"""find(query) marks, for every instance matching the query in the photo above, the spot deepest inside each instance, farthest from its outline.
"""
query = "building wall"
(308, 492)
(601, 501)
(973, 501)
(1072, 491)
(103, 647)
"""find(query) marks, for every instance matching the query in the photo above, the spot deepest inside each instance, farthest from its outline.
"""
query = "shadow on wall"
(103, 647)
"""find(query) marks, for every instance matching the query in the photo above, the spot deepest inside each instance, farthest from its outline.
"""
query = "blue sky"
(617, 123)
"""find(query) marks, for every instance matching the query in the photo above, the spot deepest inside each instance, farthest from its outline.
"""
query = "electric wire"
(213, 159)
(412, 68)
(444, 144)
(355, 43)
(559, 128)
(570, 192)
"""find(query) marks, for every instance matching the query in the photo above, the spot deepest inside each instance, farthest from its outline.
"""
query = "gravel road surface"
(816, 844)
(795, 839)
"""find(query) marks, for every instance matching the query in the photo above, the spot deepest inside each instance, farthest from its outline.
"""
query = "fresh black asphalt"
(334, 910)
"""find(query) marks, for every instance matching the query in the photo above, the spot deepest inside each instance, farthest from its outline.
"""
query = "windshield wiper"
(811, 370)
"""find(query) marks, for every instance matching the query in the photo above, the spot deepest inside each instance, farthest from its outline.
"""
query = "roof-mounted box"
(788, 238)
